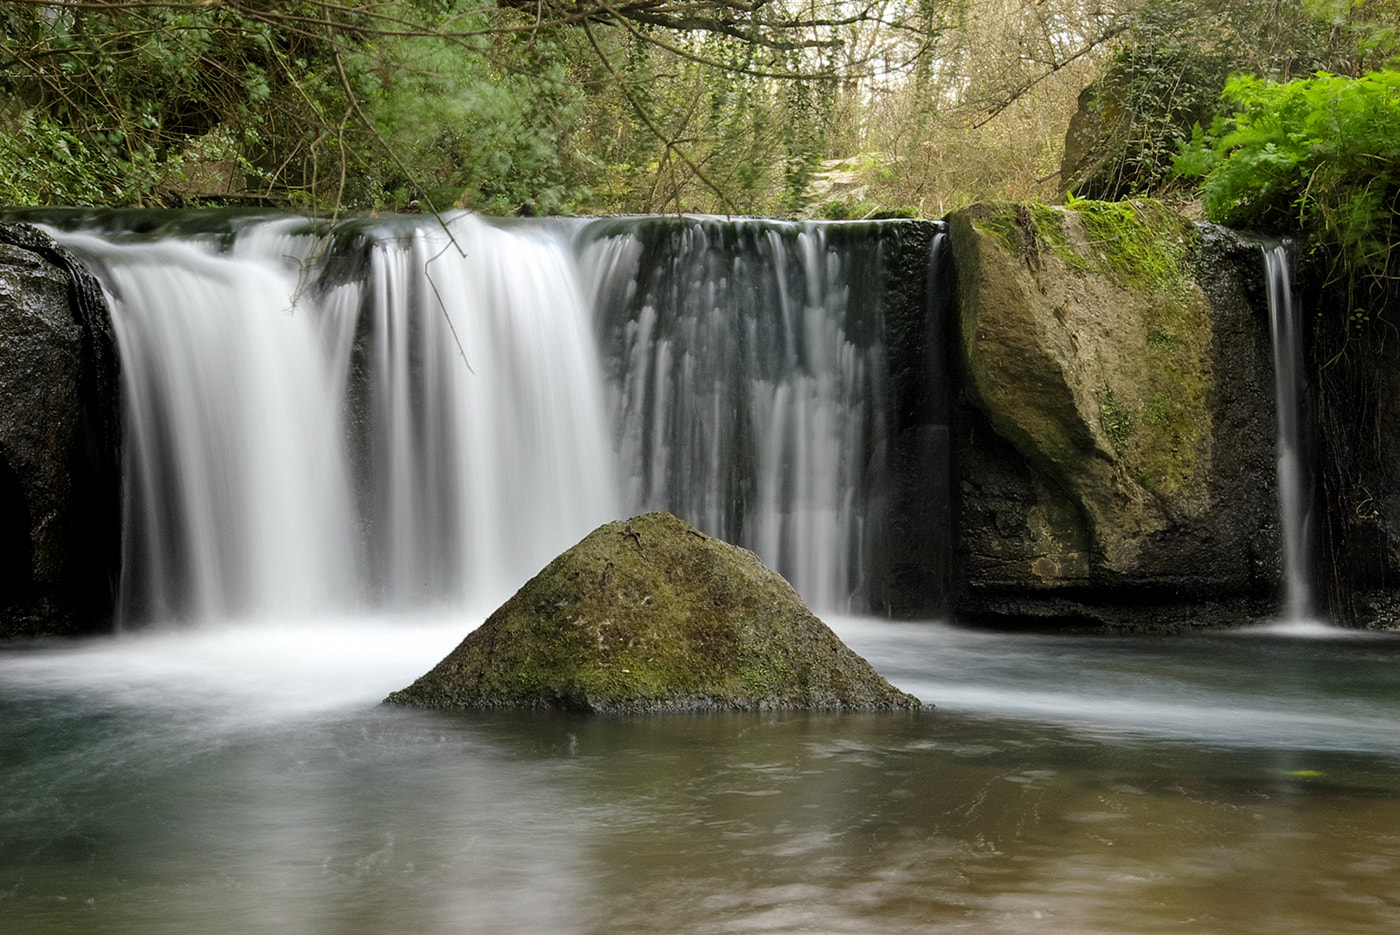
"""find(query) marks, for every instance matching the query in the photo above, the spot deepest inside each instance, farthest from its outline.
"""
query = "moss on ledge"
(652, 615)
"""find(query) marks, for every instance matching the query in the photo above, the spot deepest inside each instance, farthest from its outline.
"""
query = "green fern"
(1318, 156)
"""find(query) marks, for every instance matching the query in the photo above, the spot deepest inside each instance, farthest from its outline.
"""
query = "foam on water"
(256, 672)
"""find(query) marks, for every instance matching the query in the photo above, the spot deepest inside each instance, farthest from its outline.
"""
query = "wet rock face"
(60, 474)
(651, 615)
(1357, 391)
(1115, 458)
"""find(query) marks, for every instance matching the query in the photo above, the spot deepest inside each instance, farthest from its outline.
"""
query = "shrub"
(1319, 157)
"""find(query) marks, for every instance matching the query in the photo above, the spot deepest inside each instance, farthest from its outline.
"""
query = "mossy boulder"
(652, 615)
(1118, 442)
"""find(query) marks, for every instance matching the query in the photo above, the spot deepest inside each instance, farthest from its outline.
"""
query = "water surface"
(244, 779)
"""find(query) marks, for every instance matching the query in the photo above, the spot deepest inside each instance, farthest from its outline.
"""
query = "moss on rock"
(1087, 345)
(1116, 460)
(652, 615)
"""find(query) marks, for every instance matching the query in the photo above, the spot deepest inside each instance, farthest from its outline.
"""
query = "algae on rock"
(652, 615)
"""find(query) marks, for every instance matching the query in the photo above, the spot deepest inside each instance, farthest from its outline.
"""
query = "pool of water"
(245, 779)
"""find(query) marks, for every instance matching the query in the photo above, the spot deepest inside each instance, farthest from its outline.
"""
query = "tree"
(395, 102)
(975, 103)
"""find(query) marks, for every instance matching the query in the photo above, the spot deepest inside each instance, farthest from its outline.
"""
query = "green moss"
(1141, 244)
(904, 212)
(1116, 420)
(1156, 412)
(999, 222)
(1173, 426)
(1018, 228)
(1048, 225)
(1161, 341)
(1174, 395)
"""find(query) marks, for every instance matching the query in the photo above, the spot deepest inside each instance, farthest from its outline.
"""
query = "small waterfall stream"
(1294, 482)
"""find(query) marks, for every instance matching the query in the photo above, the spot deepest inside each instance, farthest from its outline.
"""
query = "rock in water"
(652, 615)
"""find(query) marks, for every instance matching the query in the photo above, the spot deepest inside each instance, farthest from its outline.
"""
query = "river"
(245, 779)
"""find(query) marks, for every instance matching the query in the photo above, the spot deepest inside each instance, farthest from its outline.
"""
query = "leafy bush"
(1319, 156)
(1174, 63)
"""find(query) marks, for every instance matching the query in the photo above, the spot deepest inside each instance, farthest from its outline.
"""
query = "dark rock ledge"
(60, 443)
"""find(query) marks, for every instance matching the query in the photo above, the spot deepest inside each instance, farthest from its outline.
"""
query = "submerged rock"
(652, 615)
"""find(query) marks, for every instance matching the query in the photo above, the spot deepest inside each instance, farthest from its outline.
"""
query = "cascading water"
(1294, 487)
(402, 413)
(750, 381)
(300, 439)
(236, 499)
(486, 440)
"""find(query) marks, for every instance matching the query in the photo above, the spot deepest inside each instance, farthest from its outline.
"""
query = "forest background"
(820, 108)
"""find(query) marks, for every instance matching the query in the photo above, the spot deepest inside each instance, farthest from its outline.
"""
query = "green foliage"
(802, 141)
(1322, 147)
(149, 104)
(108, 106)
(465, 131)
(501, 106)
(1318, 156)
(1171, 70)
(390, 104)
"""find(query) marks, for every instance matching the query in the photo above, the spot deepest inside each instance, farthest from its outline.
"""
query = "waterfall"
(391, 415)
(486, 438)
(1294, 484)
(750, 386)
(402, 412)
(235, 502)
